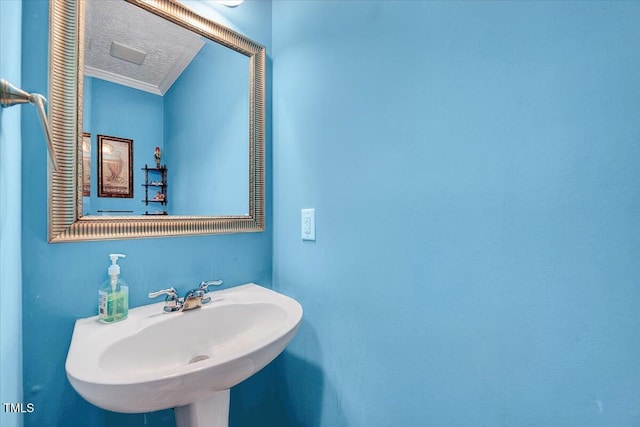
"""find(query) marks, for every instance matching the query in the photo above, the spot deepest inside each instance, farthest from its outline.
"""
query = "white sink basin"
(155, 360)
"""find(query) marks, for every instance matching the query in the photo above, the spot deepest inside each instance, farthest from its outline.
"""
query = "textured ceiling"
(169, 48)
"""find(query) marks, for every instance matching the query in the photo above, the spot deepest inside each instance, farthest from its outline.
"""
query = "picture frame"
(115, 167)
(86, 164)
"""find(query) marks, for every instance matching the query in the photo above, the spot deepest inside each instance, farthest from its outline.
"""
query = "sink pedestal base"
(212, 412)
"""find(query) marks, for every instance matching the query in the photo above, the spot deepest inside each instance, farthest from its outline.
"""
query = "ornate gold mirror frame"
(66, 70)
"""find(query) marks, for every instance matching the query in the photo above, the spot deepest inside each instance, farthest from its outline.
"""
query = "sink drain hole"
(199, 358)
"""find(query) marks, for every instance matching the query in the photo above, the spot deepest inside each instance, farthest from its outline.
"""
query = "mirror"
(211, 167)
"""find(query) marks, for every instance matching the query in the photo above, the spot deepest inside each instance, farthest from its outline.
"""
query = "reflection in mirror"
(199, 114)
(151, 81)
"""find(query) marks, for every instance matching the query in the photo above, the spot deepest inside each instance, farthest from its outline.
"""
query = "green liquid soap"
(113, 295)
(113, 306)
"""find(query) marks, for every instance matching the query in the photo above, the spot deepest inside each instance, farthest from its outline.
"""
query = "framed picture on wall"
(115, 167)
(86, 164)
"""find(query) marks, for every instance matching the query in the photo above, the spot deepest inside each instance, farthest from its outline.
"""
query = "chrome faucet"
(193, 299)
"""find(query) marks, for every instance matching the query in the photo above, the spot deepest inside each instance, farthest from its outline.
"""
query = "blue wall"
(206, 128)
(475, 172)
(60, 281)
(141, 119)
(10, 202)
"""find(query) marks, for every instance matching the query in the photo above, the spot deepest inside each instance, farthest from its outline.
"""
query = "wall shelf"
(156, 180)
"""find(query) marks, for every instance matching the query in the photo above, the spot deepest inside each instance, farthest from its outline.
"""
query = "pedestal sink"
(184, 360)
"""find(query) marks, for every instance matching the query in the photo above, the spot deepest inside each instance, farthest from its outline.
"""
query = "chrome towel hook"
(11, 95)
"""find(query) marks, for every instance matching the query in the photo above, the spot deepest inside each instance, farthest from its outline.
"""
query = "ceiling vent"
(127, 53)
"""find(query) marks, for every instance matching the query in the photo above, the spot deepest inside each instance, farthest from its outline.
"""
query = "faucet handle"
(170, 293)
(204, 286)
(171, 302)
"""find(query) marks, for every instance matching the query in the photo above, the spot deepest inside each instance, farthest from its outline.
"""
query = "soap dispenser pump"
(113, 296)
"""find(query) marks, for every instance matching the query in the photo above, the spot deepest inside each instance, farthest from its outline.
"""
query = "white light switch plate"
(308, 224)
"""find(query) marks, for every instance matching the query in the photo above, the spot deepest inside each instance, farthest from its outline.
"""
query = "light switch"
(308, 224)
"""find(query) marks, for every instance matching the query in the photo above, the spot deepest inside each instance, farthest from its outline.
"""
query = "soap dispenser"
(113, 296)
